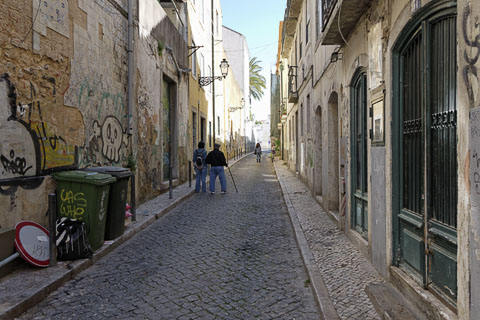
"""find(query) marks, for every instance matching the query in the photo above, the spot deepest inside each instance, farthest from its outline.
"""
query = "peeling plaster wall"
(153, 66)
(98, 83)
(468, 100)
(149, 95)
(62, 96)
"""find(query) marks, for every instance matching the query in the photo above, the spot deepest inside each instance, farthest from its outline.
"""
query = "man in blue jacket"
(216, 159)
(199, 157)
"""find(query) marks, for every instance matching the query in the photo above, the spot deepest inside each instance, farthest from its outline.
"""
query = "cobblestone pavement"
(344, 269)
(229, 256)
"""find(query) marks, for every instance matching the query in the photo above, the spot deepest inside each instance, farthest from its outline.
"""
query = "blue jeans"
(201, 175)
(214, 172)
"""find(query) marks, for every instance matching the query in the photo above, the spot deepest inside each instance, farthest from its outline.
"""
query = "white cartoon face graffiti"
(113, 137)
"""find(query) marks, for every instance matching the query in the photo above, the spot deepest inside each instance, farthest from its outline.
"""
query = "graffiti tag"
(72, 205)
(15, 165)
(470, 71)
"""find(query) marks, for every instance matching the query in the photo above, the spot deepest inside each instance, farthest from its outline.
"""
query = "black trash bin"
(115, 224)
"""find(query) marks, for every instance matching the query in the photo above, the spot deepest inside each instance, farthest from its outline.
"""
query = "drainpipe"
(131, 67)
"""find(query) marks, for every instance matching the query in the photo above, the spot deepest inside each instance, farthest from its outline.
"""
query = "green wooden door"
(359, 154)
(425, 166)
(167, 134)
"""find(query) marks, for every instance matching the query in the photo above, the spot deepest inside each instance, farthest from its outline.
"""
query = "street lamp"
(205, 81)
(224, 67)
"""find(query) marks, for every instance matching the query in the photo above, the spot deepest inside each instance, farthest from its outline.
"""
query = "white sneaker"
(212, 192)
(223, 192)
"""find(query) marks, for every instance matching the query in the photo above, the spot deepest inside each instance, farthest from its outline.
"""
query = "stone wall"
(63, 98)
(161, 54)
(468, 86)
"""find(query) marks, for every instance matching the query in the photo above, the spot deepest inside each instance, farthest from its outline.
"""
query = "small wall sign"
(378, 118)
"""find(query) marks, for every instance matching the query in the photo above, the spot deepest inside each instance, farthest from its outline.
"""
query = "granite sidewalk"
(27, 285)
(338, 271)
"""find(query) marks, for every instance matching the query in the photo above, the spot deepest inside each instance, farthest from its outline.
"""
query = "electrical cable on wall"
(33, 22)
(339, 30)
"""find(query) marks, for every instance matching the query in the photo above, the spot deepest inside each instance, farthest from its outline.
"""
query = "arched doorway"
(359, 154)
(333, 165)
(318, 151)
(425, 148)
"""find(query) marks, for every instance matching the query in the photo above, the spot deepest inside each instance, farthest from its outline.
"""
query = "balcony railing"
(327, 9)
(292, 84)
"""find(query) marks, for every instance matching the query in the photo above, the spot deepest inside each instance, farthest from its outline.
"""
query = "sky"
(258, 21)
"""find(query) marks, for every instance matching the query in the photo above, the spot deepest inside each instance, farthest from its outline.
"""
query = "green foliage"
(257, 81)
(277, 144)
(160, 48)
(131, 162)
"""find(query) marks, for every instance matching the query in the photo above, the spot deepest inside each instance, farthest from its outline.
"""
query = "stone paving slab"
(344, 270)
(27, 285)
(231, 256)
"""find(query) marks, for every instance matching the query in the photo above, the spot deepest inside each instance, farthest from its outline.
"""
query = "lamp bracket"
(233, 109)
(194, 48)
(205, 81)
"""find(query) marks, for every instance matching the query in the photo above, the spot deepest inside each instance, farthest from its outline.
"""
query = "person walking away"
(216, 160)
(258, 152)
(199, 158)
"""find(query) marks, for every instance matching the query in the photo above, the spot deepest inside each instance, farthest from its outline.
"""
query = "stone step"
(390, 303)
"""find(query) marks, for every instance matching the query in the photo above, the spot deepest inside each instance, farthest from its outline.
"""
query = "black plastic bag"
(72, 240)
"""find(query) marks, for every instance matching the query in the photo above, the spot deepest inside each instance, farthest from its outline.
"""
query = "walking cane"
(232, 179)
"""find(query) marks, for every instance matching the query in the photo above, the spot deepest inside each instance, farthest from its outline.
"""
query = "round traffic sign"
(31, 240)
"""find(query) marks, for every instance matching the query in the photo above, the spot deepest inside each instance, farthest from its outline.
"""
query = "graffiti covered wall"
(98, 84)
(62, 96)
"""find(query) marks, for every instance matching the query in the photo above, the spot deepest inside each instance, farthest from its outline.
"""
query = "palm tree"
(257, 81)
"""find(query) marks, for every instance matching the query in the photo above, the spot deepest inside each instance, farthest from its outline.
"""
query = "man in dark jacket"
(216, 159)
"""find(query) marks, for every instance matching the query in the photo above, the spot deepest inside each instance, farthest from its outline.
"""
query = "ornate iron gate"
(425, 152)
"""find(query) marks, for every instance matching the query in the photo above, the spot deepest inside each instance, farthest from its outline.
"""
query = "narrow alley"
(229, 256)
(366, 205)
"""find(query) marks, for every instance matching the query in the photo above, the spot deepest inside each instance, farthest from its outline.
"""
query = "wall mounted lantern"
(205, 81)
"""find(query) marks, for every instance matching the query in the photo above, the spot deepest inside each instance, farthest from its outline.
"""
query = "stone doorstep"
(423, 300)
(22, 289)
(390, 303)
(7, 248)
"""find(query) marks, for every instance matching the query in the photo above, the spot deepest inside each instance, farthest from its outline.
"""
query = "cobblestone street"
(231, 256)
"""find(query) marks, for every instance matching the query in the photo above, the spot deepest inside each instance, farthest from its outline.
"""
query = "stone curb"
(320, 291)
(70, 270)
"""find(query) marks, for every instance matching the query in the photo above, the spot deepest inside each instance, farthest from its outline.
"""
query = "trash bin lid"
(88, 177)
(117, 172)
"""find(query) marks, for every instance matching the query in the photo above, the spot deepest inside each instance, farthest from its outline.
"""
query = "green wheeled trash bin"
(83, 195)
(115, 224)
